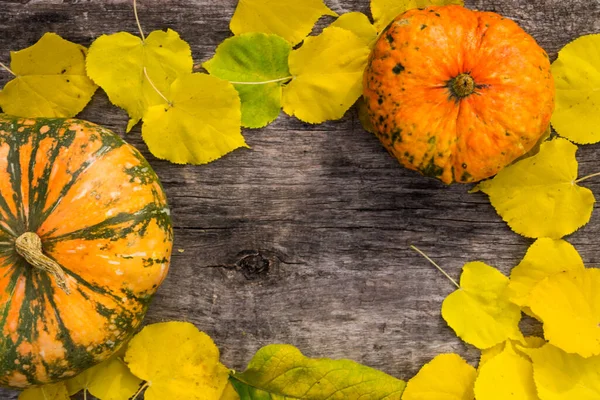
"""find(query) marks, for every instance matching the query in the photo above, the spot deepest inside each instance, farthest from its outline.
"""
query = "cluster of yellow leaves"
(550, 284)
(171, 360)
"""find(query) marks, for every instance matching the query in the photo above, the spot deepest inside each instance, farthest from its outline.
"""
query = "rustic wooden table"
(304, 239)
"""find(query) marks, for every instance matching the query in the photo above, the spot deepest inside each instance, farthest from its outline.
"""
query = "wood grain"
(304, 239)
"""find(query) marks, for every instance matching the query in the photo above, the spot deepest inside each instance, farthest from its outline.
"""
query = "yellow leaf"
(327, 72)
(177, 361)
(568, 304)
(562, 376)
(109, 380)
(291, 19)
(57, 391)
(359, 24)
(507, 376)
(116, 63)
(201, 124)
(384, 11)
(480, 312)
(523, 346)
(446, 377)
(488, 354)
(577, 77)
(539, 196)
(50, 80)
(229, 393)
(546, 257)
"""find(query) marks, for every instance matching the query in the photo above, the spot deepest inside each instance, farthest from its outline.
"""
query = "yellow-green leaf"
(539, 196)
(50, 80)
(109, 380)
(384, 11)
(568, 304)
(291, 19)
(177, 361)
(201, 123)
(359, 24)
(544, 258)
(562, 376)
(116, 63)
(57, 391)
(280, 372)
(327, 72)
(507, 376)
(480, 312)
(577, 77)
(446, 377)
(257, 65)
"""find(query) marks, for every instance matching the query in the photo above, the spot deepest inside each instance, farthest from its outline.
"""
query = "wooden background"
(304, 239)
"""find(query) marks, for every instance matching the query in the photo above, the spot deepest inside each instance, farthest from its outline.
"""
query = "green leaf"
(290, 19)
(260, 61)
(327, 73)
(200, 123)
(116, 63)
(50, 80)
(279, 372)
(577, 76)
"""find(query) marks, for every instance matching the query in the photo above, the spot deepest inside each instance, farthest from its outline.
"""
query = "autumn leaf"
(446, 377)
(57, 391)
(507, 376)
(109, 380)
(50, 80)
(479, 311)
(116, 63)
(539, 196)
(199, 122)
(327, 73)
(282, 372)
(544, 258)
(577, 77)
(562, 376)
(257, 65)
(359, 24)
(291, 19)
(384, 11)
(569, 306)
(177, 361)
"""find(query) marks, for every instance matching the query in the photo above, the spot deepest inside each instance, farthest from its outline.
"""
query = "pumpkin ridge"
(14, 173)
(105, 149)
(39, 191)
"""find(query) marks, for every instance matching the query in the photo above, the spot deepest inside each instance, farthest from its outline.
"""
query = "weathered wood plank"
(305, 238)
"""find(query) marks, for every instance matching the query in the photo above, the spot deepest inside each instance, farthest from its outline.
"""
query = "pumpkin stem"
(29, 246)
(462, 86)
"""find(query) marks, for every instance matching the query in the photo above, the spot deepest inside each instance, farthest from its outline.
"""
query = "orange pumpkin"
(458, 94)
(85, 240)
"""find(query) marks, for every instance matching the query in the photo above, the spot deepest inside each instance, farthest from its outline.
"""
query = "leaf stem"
(263, 82)
(140, 390)
(435, 265)
(155, 88)
(85, 394)
(138, 20)
(587, 177)
(8, 69)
